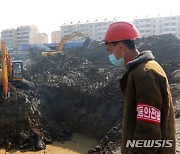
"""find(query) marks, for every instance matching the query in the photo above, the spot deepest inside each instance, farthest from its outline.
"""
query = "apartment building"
(26, 35)
(94, 30)
(42, 38)
(158, 26)
(9, 36)
(55, 37)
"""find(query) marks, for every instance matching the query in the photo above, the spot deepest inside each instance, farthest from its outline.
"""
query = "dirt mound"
(165, 48)
(28, 124)
(93, 51)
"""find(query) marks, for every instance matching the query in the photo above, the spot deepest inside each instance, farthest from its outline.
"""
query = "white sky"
(48, 15)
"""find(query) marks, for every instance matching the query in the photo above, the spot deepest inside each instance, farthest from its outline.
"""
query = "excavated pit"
(78, 92)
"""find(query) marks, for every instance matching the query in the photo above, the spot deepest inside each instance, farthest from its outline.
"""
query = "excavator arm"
(4, 70)
(68, 37)
(62, 42)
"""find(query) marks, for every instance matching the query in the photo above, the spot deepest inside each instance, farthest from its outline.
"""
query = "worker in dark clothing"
(148, 116)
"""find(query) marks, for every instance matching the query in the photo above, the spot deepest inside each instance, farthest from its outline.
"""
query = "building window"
(160, 26)
(173, 24)
(141, 31)
(148, 25)
(148, 20)
(172, 29)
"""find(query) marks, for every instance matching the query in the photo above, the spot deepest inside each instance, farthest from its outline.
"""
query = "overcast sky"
(48, 15)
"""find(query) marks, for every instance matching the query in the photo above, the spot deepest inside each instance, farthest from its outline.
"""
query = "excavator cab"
(10, 71)
(17, 70)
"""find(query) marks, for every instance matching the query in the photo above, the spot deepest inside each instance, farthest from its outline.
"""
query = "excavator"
(10, 71)
(62, 42)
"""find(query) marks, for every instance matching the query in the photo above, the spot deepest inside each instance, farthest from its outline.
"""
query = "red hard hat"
(119, 31)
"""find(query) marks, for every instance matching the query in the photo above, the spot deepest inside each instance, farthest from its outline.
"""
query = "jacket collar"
(142, 57)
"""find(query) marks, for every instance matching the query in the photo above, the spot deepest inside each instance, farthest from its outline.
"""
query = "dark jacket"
(148, 108)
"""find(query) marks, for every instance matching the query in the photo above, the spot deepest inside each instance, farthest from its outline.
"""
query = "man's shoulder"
(150, 66)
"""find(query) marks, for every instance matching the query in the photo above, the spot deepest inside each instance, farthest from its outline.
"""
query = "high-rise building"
(94, 30)
(55, 37)
(26, 35)
(158, 26)
(9, 36)
(42, 38)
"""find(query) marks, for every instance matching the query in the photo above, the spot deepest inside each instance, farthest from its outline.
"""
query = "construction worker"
(148, 117)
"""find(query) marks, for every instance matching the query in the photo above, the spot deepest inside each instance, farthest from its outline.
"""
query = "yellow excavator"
(62, 42)
(10, 71)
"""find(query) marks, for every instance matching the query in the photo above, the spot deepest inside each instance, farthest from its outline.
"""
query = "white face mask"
(114, 61)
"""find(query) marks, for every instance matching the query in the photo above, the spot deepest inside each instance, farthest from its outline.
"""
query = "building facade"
(26, 35)
(158, 26)
(15, 38)
(9, 36)
(42, 38)
(55, 37)
(94, 30)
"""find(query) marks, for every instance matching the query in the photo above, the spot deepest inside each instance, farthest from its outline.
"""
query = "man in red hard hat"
(148, 116)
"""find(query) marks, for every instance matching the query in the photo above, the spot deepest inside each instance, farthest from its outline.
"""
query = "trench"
(74, 120)
(84, 113)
